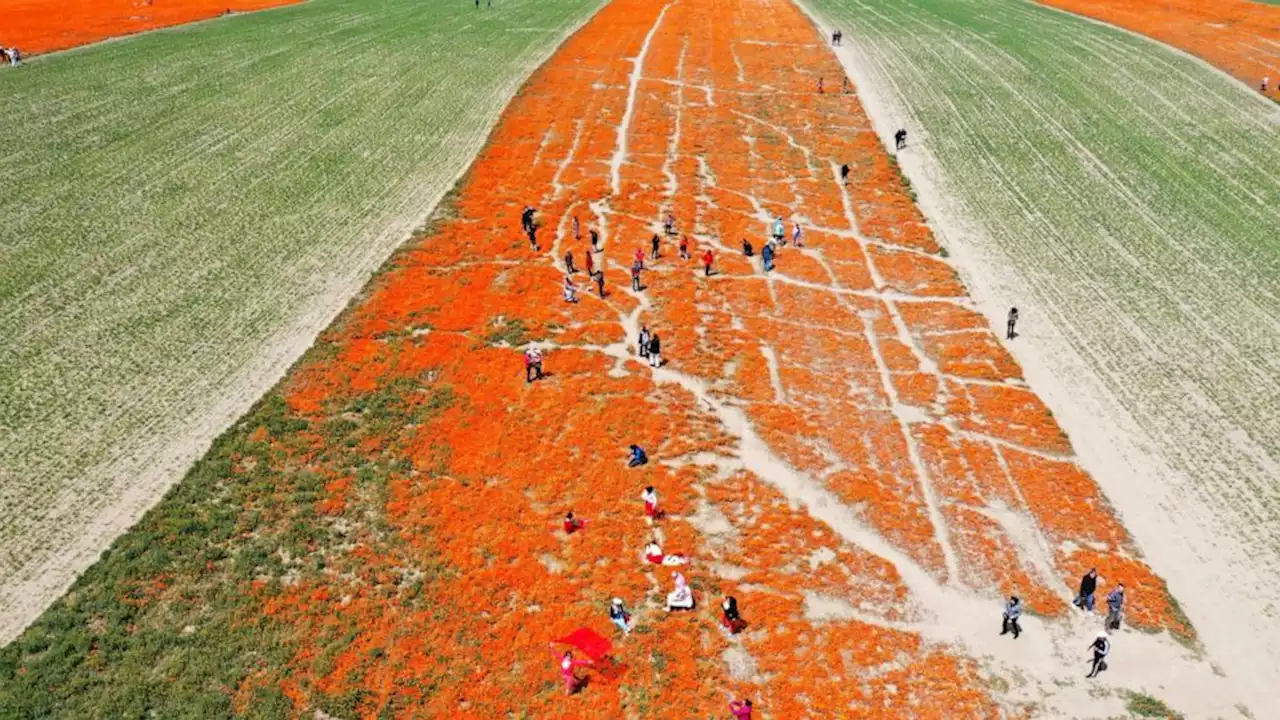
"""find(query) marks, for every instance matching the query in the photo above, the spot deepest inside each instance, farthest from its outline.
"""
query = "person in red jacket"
(572, 524)
(707, 257)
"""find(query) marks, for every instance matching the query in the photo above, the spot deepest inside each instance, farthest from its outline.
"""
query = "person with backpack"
(1012, 611)
(1101, 647)
(900, 139)
(1088, 585)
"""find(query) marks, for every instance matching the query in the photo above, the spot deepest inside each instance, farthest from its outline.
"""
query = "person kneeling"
(682, 597)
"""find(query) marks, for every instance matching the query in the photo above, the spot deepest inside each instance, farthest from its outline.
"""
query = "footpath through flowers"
(839, 442)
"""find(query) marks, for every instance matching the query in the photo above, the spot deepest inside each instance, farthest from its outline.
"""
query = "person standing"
(1012, 611)
(707, 257)
(670, 225)
(635, 276)
(577, 229)
(567, 666)
(570, 290)
(655, 351)
(1101, 647)
(650, 498)
(591, 265)
(779, 231)
(684, 247)
(1011, 324)
(654, 244)
(797, 236)
(643, 345)
(844, 174)
(568, 262)
(819, 85)
(1115, 607)
(595, 240)
(767, 255)
(1265, 81)
(532, 365)
(619, 615)
(900, 139)
(600, 283)
(1088, 584)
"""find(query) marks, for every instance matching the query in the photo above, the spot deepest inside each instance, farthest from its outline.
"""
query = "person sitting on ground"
(681, 598)
(654, 555)
(638, 457)
(650, 498)
(741, 709)
(747, 249)
(572, 524)
(619, 615)
(570, 290)
(15, 57)
(731, 620)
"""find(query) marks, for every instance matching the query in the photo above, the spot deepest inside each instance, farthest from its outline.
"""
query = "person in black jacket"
(1101, 647)
(731, 620)
(1011, 326)
(1088, 585)
(655, 351)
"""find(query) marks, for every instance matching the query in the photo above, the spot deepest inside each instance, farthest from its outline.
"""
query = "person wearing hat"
(619, 615)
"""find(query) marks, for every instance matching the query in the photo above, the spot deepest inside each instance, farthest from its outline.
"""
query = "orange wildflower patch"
(41, 26)
(1239, 36)
(826, 438)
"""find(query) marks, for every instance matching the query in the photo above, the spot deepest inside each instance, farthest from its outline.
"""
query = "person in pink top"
(741, 709)
(567, 666)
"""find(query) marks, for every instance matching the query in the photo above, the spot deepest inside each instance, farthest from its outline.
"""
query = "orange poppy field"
(41, 26)
(1240, 36)
(842, 444)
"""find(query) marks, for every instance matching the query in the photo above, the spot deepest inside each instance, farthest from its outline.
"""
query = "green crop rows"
(1138, 194)
(182, 211)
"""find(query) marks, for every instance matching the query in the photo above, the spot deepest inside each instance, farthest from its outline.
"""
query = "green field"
(1134, 195)
(182, 211)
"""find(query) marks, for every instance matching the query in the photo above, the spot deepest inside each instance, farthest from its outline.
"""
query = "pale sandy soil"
(1184, 540)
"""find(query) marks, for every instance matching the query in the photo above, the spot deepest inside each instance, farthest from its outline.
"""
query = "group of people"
(11, 55)
(680, 599)
(1101, 644)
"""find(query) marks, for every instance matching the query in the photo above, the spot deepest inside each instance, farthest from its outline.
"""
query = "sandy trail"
(1185, 539)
